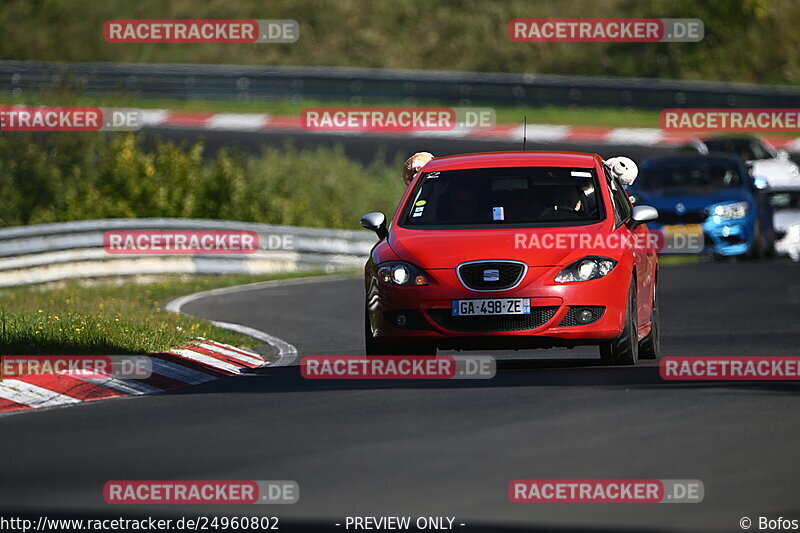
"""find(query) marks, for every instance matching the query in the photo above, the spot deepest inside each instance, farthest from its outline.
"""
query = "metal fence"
(365, 86)
(71, 250)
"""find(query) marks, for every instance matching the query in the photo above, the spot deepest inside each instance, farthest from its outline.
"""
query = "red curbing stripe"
(7, 406)
(187, 118)
(498, 132)
(193, 365)
(596, 134)
(219, 356)
(587, 133)
(283, 122)
(669, 138)
(163, 382)
(72, 387)
(234, 349)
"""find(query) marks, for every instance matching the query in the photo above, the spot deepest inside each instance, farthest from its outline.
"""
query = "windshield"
(694, 178)
(504, 196)
(747, 149)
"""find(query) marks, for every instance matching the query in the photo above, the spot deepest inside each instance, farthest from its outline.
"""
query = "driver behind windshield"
(564, 203)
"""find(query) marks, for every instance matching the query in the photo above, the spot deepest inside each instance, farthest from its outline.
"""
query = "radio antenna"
(524, 131)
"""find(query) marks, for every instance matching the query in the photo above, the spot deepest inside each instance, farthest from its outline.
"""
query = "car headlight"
(731, 211)
(401, 273)
(586, 269)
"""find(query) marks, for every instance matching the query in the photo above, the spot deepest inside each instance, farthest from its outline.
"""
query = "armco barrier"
(71, 250)
(361, 86)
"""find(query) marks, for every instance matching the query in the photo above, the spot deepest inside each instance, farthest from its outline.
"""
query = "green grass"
(109, 318)
(745, 40)
(678, 259)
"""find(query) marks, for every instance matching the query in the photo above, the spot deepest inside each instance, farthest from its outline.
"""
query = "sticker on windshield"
(580, 174)
(420, 203)
(418, 211)
(433, 175)
(498, 213)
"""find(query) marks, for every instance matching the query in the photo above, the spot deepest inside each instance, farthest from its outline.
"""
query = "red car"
(513, 250)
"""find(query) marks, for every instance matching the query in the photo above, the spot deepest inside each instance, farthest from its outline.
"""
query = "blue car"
(713, 193)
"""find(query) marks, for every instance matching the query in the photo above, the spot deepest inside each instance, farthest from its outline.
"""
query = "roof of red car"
(513, 159)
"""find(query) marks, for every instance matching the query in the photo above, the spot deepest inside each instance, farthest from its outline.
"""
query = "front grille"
(492, 323)
(692, 217)
(475, 276)
(571, 318)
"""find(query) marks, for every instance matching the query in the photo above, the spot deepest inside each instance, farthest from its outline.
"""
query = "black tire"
(624, 350)
(650, 346)
(769, 247)
(374, 346)
(757, 247)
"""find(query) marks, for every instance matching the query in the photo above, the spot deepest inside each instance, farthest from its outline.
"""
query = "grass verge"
(110, 318)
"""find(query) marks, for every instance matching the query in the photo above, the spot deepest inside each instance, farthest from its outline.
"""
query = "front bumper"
(723, 237)
(427, 316)
(730, 237)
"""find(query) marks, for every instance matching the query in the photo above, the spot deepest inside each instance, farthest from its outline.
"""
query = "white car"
(772, 168)
(785, 200)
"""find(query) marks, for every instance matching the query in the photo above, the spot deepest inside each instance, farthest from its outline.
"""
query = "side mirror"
(376, 222)
(642, 214)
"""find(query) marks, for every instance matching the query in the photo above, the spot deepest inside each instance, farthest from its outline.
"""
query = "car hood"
(670, 202)
(434, 249)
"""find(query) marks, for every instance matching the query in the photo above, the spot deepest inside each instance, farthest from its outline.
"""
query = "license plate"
(685, 231)
(492, 306)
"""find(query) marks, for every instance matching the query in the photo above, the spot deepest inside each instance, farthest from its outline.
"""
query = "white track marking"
(128, 386)
(32, 395)
(237, 121)
(207, 360)
(287, 353)
(179, 372)
(231, 353)
(646, 136)
(234, 348)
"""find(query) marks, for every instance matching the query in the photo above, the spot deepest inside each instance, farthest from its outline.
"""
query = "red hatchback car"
(513, 250)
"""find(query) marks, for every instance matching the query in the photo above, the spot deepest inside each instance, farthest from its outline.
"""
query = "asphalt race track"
(450, 448)
(366, 148)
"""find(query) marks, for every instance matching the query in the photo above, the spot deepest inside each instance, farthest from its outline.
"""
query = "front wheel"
(624, 350)
(650, 347)
(757, 246)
